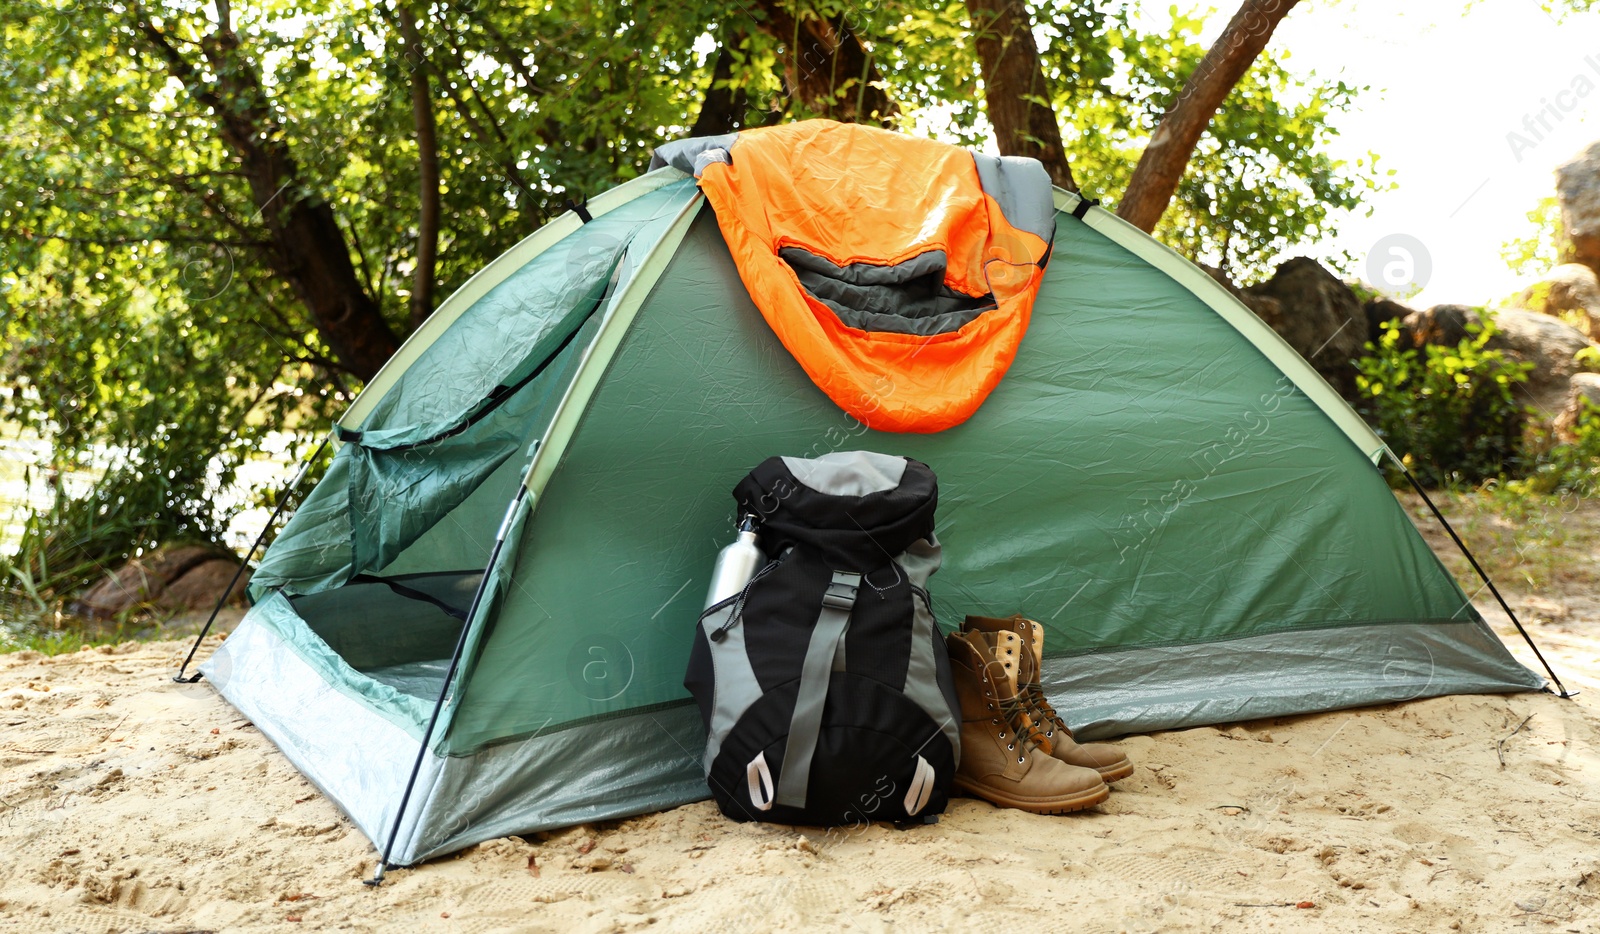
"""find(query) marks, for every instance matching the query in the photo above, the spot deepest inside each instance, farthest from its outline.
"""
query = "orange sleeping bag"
(899, 272)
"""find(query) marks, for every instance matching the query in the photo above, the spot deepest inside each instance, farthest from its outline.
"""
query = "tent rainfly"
(477, 622)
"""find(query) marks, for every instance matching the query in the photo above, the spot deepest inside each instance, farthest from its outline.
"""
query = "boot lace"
(1014, 715)
(1015, 712)
(1039, 705)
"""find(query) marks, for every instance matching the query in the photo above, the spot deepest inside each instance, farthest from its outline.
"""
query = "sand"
(130, 803)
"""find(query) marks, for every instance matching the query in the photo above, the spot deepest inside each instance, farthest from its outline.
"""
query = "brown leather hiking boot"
(1055, 739)
(1001, 760)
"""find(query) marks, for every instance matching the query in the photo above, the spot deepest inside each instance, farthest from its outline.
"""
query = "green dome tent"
(506, 559)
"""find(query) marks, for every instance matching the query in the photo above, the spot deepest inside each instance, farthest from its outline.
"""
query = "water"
(25, 486)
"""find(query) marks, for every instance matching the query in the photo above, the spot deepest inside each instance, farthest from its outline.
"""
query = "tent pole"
(283, 500)
(1483, 575)
(444, 689)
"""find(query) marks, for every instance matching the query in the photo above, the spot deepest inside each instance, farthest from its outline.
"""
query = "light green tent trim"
(1224, 303)
(1193, 516)
(598, 359)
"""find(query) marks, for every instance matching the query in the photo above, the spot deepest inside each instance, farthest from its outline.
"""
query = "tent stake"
(283, 500)
(444, 689)
(1482, 574)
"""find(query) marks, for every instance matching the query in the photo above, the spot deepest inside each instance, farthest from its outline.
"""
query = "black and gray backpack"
(824, 684)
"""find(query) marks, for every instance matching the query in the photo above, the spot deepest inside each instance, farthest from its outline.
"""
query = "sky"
(1451, 82)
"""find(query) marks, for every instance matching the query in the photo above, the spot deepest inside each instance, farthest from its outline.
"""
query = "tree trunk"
(308, 248)
(1016, 93)
(427, 169)
(1161, 166)
(827, 67)
(724, 108)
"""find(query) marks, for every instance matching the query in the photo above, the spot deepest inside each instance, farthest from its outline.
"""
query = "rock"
(1443, 325)
(1570, 287)
(142, 580)
(201, 586)
(1316, 314)
(1582, 388)
(1550, 345)
(1578, 194)
(1381, 311)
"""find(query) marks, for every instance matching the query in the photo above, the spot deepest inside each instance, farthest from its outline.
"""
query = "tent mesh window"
(421, 617)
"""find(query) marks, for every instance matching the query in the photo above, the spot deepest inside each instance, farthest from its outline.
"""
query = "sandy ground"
(129, 803)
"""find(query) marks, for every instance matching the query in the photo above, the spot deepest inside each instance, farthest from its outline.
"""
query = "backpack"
(824, 684)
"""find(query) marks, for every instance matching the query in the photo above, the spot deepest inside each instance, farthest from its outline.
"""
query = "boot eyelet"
(1011, 746)
(1020, 760)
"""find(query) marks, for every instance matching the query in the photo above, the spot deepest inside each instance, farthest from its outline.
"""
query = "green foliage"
(1448, 412)
(1540, 250)
(1258, 182)
(147, 334)
(1567, 467)
(24, 629)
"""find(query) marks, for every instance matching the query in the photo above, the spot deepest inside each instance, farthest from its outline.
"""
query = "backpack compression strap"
(806, 722)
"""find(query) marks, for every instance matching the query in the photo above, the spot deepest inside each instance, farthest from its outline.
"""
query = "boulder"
(1380, 311)
(1578, 194)
(1443, 325)
(1316, 314)
(1571, 287)
(203, 585)
(142, 580)
(1550, 345)
(1583, 388)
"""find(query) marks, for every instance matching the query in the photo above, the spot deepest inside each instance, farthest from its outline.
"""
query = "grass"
(1524, 541)
(26, 627)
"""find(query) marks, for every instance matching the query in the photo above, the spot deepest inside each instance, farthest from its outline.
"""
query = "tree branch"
(724, 108)
(1161, 166)
(427, 168)
(310, 250)
(829, 68)
(148, 238)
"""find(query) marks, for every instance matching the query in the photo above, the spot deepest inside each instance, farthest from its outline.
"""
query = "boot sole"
(1113, 773)
(1064, 804)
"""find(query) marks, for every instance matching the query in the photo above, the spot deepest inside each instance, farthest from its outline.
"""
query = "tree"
(1015, 88)
(827, 68)
(1172, 144)
(307, 248)
(427, 166)
(217, 219)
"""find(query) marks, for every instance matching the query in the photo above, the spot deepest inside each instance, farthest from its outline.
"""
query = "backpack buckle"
(841, 592)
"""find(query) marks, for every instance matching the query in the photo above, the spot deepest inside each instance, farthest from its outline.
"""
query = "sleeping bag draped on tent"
(899, 272)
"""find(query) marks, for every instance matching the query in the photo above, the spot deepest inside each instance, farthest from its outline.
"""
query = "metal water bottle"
(735, 563)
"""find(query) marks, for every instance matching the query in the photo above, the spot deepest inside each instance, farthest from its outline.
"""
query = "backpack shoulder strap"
(806, 722)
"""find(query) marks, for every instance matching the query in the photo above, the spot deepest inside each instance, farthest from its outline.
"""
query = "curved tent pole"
(283, 500)
(1484, 576)
(444, 689)
(492, 275)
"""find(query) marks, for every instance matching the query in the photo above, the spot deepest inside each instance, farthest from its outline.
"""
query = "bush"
(1448, 412)
(1572, 467)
